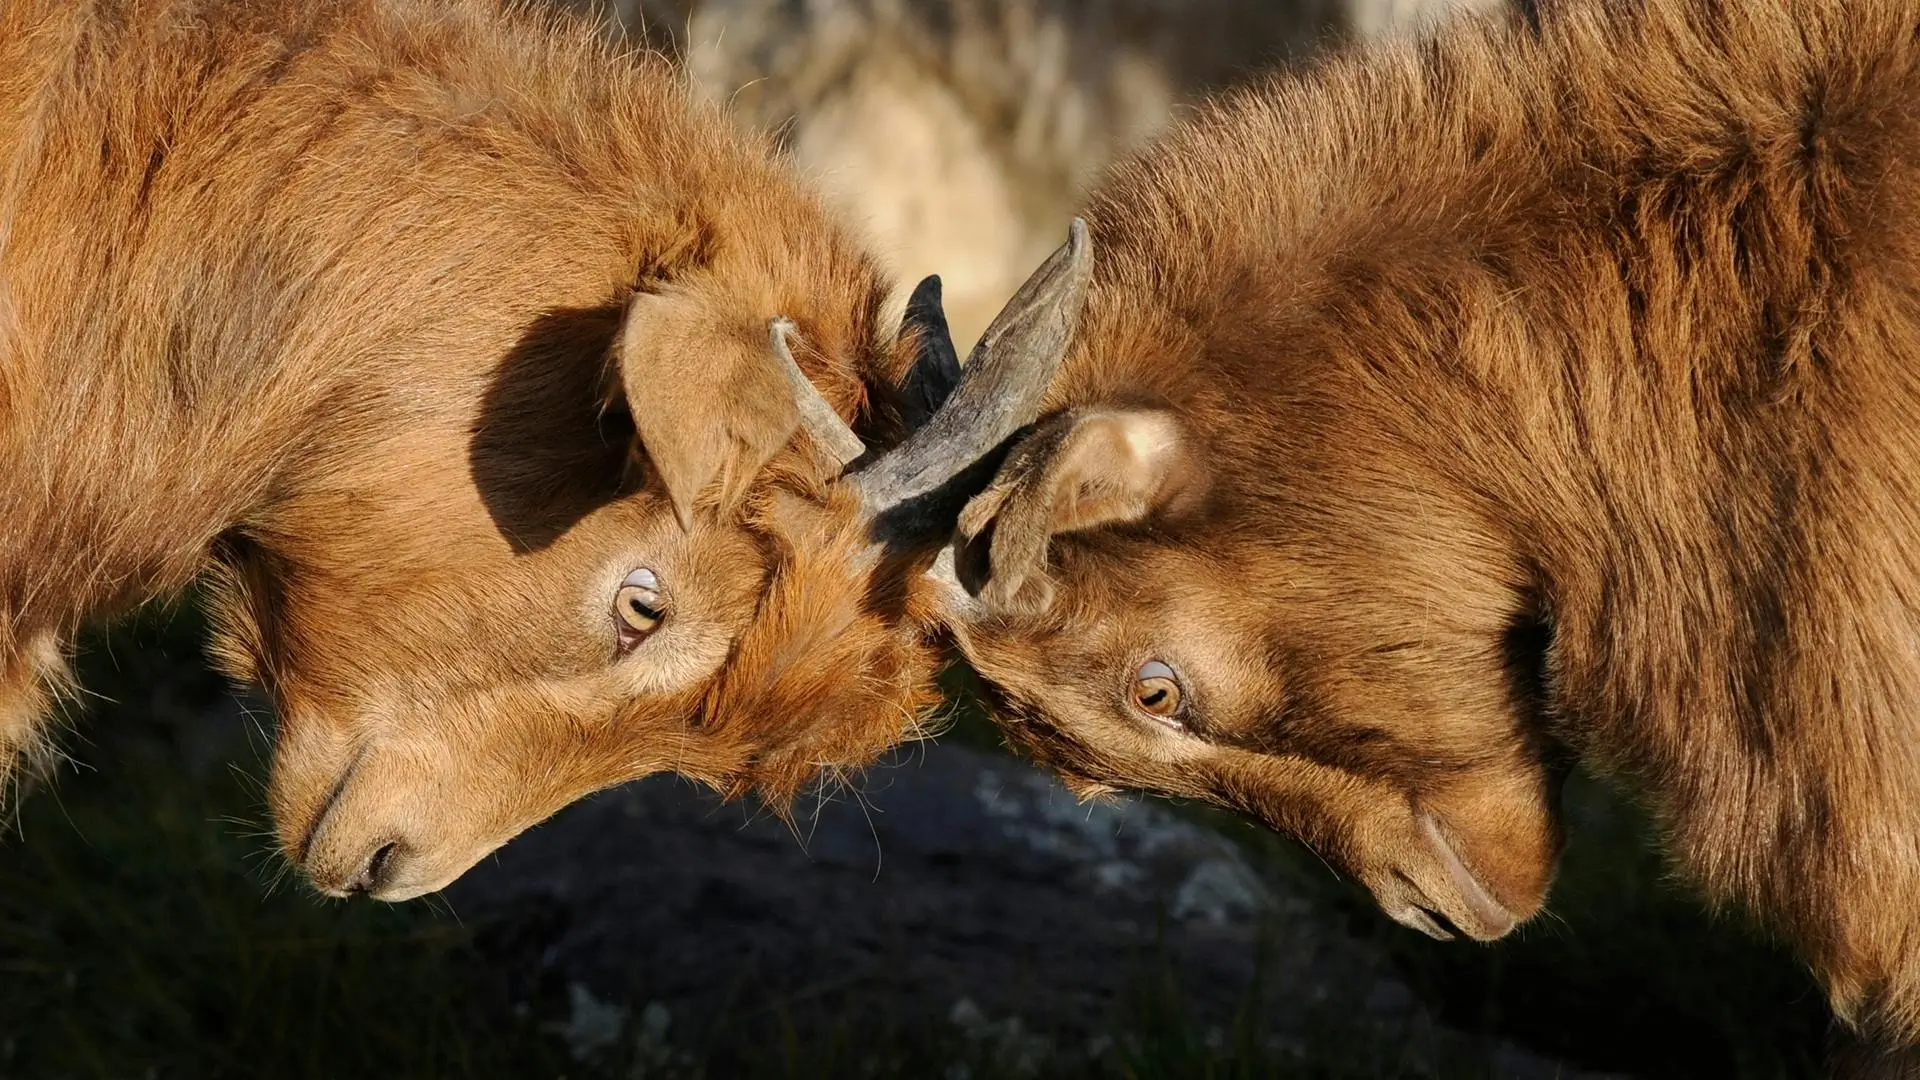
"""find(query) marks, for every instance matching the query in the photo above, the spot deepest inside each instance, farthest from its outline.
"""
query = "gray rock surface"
(961, 888)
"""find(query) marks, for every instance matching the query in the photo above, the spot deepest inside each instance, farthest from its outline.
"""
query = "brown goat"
(446, 343)
(1548, 390)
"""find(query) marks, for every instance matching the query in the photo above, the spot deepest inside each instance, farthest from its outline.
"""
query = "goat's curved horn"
(821, 421)
(936, 370)
(1000, 389)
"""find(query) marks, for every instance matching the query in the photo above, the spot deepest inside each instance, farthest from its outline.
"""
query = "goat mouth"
(1429, 921)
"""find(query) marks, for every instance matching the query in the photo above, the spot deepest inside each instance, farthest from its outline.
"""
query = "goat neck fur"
(360, 305)
(1544, 387)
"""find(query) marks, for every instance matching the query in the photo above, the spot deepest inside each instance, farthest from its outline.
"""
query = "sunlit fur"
(1559, 388)
(329, 302)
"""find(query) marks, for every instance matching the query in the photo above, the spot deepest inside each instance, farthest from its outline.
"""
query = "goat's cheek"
(676, 659)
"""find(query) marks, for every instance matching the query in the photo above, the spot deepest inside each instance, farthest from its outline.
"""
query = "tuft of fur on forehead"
(835, 668)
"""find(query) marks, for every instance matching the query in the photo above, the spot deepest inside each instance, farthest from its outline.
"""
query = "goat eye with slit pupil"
(638, 605)
(635, 610)
(1157, 695)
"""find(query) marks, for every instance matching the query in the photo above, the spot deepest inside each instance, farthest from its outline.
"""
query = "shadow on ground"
(962, 917)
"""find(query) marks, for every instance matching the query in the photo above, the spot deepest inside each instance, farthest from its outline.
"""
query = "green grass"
(140, 937)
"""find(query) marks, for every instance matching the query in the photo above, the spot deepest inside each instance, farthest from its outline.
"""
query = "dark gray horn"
(999, 390)
(816, 416)
(936, 370)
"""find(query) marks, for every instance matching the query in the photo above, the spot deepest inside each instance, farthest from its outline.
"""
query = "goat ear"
(1078, 471)
(707, 401)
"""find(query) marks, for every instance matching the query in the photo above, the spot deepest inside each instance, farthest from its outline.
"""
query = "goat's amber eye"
(1157, 691)
(638, 608)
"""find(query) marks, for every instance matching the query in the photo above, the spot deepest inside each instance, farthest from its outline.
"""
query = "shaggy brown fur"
(360, 305)
(1551, 389)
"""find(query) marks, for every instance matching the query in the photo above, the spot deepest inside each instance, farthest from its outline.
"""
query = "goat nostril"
(371, 875)
(378, 865)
